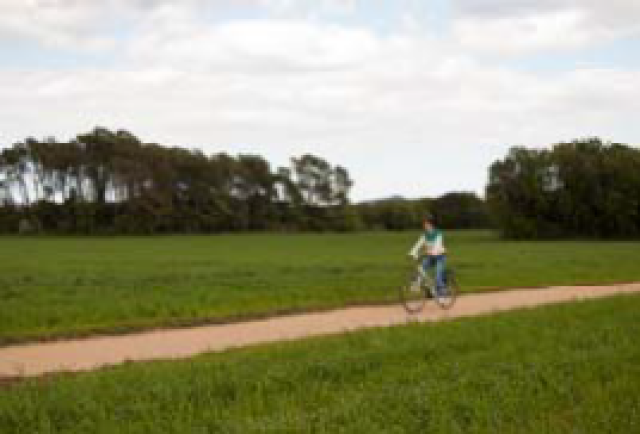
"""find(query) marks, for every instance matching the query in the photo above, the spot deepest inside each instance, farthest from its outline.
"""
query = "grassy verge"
(53, 287)
(564, 368)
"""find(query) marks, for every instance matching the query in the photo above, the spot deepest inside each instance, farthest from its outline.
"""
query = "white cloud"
(269, 44)
(521, 35)
(526, 26)
(76, 24)
(616, 10)
(89, 24)
(52, 23)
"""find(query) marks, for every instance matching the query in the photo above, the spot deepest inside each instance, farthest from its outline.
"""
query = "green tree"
(584, 188)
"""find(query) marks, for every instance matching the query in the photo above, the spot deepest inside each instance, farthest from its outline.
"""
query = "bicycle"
(421, 286)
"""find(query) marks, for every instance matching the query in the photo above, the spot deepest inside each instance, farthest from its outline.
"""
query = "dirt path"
(91, 353)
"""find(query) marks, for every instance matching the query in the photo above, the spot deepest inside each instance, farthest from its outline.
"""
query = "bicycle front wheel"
(413, 294)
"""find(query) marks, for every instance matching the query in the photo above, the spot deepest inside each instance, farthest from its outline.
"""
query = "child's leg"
(427, 263)
(441, 262)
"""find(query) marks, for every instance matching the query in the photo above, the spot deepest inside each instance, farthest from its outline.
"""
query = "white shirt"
(434, 247)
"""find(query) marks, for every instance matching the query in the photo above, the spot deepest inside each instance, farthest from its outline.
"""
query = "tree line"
(582, 188)
(457, 210)
(111, 182)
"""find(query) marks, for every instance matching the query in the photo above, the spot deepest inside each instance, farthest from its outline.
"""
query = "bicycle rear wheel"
(446, 297)
(413, 294)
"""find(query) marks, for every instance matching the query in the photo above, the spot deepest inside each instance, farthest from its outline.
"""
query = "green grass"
(570, 368)
(53, 287)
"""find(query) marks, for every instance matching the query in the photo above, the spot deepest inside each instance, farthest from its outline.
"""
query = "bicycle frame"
(426, 278)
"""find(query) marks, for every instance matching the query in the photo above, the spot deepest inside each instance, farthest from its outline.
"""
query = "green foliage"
(461, 210)
(394, 214)
(585, 188)
(51, 287)
(556, 369)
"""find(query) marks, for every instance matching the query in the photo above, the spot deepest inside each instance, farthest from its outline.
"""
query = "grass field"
(565, 368)
(52, 287)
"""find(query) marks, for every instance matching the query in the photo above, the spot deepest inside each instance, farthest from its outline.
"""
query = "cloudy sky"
(415, 97)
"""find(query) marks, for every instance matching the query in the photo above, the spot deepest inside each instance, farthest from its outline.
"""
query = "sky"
(415, 98)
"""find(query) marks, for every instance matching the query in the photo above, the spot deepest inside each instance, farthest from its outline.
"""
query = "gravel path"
(91, 353)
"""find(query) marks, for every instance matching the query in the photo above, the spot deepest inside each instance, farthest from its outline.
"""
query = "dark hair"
(428, 218)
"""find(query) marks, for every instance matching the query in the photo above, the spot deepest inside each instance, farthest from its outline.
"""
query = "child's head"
(427, 223)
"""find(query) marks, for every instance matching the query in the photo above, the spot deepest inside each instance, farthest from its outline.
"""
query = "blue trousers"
(439, 262)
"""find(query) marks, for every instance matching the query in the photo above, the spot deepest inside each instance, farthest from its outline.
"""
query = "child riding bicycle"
(431, 251)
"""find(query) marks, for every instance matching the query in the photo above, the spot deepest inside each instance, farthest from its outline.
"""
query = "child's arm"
(415, 251)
